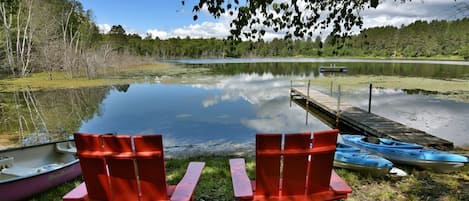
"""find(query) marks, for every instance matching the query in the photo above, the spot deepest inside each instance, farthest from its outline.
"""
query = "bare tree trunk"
(71, 44)
(7, 22)
(66, 59)
(18, 34)
(20, 59)
(46, 60)
(107, 49)
(29, 44)
(23, 49)
(76, 55)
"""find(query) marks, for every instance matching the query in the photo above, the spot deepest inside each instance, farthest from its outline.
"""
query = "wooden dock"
(361, 121)
(337, 69)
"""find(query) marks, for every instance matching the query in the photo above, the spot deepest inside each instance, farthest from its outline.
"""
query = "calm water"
(238, 101)
(230, 111)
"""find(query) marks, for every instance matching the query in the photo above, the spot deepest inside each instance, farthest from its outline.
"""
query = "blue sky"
(142, 15)
(169, 18)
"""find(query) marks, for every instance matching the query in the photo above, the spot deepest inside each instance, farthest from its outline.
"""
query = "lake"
(223, 109)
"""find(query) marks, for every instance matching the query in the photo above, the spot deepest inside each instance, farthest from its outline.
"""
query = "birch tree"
(18, 35)
(69, 37)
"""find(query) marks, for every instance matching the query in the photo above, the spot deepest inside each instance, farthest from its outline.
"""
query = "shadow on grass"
(215, 182)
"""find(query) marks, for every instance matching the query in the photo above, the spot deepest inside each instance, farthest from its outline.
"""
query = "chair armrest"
(79, 193)
(185, 188)
(338, 185)
(241, 184)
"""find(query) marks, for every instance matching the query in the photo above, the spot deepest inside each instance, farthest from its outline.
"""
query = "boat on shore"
(408, 153)
(26, 171)
(349, 157)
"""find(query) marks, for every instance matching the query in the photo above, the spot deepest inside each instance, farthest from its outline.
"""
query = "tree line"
(419, 39)
(59, 35)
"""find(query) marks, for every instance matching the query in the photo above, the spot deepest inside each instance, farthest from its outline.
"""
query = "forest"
(59, 35)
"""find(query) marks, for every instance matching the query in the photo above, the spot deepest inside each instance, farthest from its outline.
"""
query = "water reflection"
(31, 117)
(230, 111)
(269, 96)
(436, 71)
(173, 110)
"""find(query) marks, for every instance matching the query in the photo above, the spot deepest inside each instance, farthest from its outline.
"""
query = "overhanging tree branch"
(295, 18)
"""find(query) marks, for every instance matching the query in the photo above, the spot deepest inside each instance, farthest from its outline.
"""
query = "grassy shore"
(215, 182)
(449, 89)
(171, 73)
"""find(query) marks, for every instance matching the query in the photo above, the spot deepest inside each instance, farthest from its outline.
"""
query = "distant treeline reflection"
(30, 117)
(436, 71)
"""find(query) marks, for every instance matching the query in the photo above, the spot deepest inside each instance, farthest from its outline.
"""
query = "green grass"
(215, 182)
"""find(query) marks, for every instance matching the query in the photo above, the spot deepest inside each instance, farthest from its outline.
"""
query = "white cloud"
(396, 14)
(203, 30)
(157, 33)
(104, 28)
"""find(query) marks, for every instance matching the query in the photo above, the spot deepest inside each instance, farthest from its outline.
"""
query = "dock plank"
(364, 122)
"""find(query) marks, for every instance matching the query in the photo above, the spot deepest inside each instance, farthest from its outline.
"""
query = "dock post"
(307, 103)
(369, 98)
(338, 109)
(291, 89)
(332, 83)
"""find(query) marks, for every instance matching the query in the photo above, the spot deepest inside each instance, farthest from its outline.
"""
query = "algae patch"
(106, 77)
(451, 89)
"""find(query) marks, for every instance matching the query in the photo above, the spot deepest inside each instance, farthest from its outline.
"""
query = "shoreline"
(314, 60)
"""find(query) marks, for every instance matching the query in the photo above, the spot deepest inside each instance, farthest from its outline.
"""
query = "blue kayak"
(408, 153)
(353, 158)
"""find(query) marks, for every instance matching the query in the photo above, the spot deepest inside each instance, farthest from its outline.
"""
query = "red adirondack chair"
(304, 173)
(115, 170)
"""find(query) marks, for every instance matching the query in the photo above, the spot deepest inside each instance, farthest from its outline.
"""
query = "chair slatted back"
(268, 146)
(300, 168)
(121, 168)
(93, 166)
(324, 145)
(150, 160)
(295, 167)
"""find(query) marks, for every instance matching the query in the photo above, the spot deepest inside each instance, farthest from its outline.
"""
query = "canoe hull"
(27, 171)
(29, 186)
